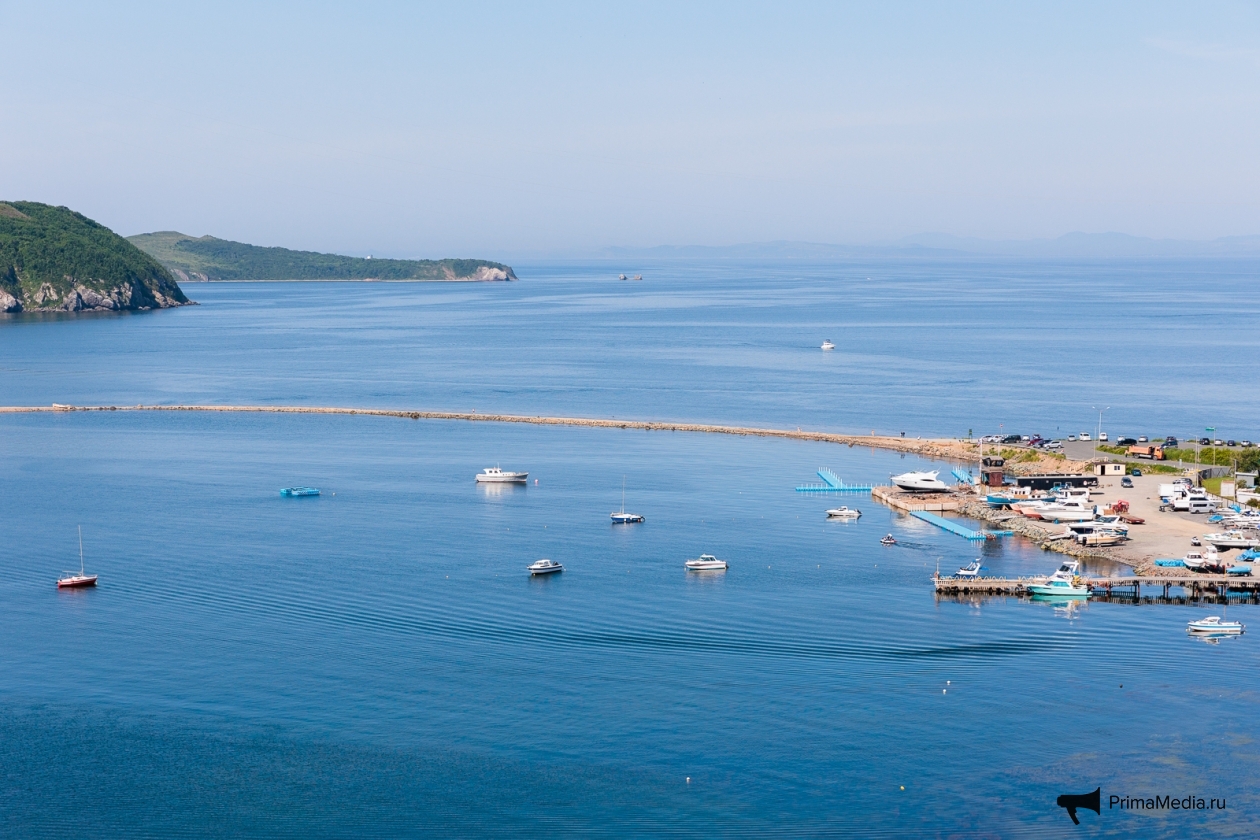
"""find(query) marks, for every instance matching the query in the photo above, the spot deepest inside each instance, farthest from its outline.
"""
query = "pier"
(958, 528)
(833, 484)
(1194, 588)
(901, 500)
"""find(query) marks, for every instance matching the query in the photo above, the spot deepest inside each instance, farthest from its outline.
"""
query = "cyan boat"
(300, 491)
(1065, 583)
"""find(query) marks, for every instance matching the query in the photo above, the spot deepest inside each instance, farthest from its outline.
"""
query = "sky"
(471, 129)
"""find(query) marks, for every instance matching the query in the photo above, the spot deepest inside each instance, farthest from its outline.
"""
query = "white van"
(1198, 504)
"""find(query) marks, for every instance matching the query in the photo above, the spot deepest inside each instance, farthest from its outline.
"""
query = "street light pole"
(1098, 433)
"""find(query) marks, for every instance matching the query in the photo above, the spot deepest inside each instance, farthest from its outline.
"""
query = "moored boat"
(971, 570)
(621, 517)
(71, 580)
(1216, 625)
(545, 567)
(1064, 583)
(494, 475)
(299, 491)
(705, 563)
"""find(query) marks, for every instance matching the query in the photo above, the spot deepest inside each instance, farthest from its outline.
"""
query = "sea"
(377, 662)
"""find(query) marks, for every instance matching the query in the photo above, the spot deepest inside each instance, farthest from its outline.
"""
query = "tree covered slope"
(52, 258)
(208, 258)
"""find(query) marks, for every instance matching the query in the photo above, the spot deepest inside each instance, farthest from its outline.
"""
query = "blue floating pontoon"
(300, 491)
(1170, 562)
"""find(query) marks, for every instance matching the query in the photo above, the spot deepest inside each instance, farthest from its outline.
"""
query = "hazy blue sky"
(457, 129)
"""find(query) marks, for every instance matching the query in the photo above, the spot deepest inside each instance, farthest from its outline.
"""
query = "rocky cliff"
(54, 259)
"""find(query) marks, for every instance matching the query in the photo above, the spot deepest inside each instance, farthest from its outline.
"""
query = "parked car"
(1170, 442)
(991, 439)
(1136, 472)
(1126, 441)
(1012, 439)
(1102, 436)
(1218, 442)
(1205, 441)
(1084, 436)
(1071, 437)
(1143, 439)
(1231, 443)
(1054, 444)
(1247, 443)
(1126, 482)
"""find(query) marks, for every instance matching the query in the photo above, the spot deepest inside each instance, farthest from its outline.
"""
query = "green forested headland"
(208, 258)
(52, 258)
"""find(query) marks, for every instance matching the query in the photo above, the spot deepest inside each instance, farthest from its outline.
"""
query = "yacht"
(1215, 624)
(843, 512)
(705, 563)
(545, 567)
(621, 517)
(1231, 539)
(827, 345)
(971, 570)
(920, 482)
(494, 475)
(1066, 582)
(72, 580)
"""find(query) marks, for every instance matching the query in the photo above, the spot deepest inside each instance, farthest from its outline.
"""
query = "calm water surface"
(376, 661)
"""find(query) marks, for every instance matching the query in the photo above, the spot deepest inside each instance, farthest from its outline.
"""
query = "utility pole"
(1098, 434)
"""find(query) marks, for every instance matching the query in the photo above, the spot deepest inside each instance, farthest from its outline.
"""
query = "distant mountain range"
(206, 258)
(1071, 245)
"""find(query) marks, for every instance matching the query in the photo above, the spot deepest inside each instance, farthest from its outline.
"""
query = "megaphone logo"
(1072, 801)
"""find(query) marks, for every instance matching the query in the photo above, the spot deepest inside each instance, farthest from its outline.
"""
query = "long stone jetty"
(945, 448)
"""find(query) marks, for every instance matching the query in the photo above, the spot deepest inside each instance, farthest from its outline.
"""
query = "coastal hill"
(207, 258)
(54, 259)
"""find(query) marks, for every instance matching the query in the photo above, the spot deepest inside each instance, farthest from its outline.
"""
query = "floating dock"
(909, 502)
(957, 528)
(833, 484)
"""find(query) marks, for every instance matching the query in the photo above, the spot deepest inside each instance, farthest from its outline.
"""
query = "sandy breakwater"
(943, 449)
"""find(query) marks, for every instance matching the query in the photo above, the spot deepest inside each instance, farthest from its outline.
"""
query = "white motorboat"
(971, 570)
(1202, 561)
(494, 475)
(887, 540)
(545, 567)
(1067, 511)
(1231, 539)
(705, 563)
(843, 512)
(1101, 537)
(827, 345)
(920, 482)
(1215, 624)
(1066, 582)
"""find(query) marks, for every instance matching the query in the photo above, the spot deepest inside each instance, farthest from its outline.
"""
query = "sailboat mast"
(80, 549)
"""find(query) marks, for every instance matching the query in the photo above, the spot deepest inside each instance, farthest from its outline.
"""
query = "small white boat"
(971, 570)
(1215, 624)
(545, 567)
(1202, 561)
(1231, 539)
(843, 512)
(705, 563)
(494, 475)
(71, 580)
(921, 482)
(827, 345)
(1065, 583)
(887, 540)
(1070, 510)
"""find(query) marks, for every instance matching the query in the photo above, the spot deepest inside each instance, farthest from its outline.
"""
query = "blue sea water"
(376, 662)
